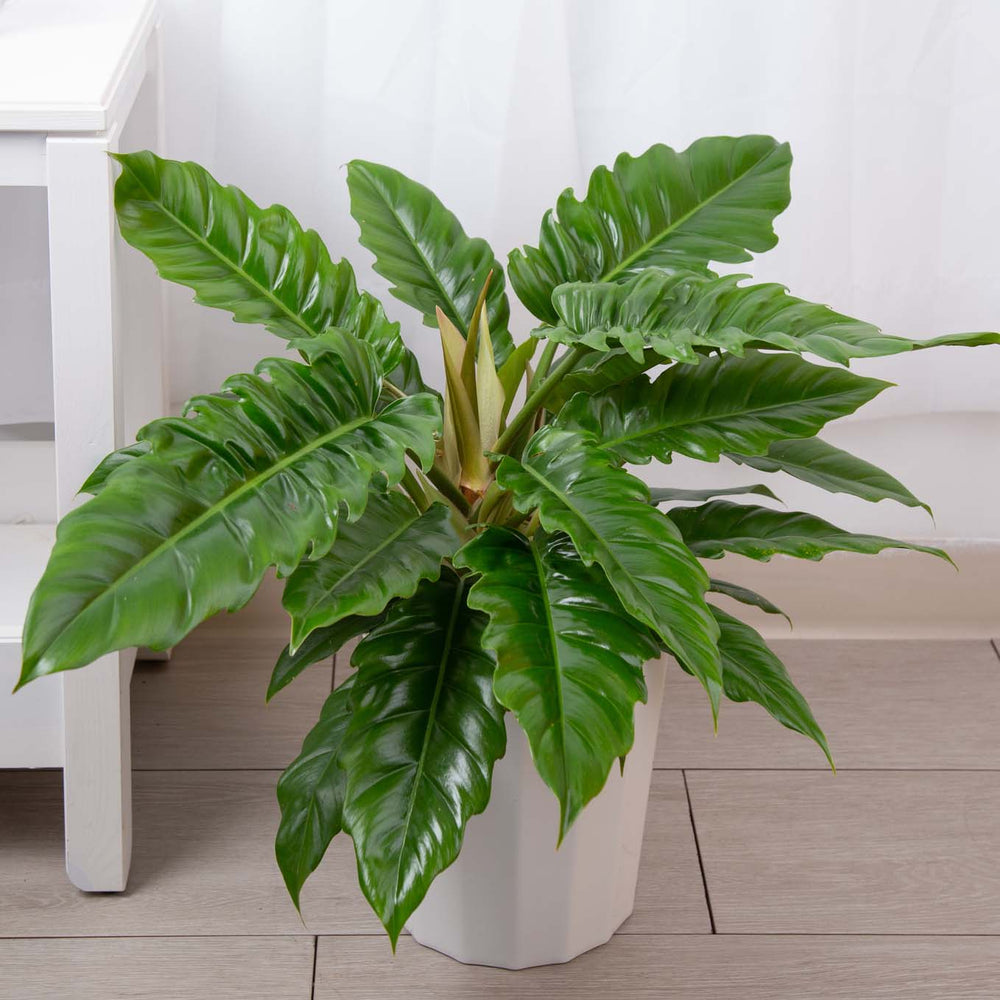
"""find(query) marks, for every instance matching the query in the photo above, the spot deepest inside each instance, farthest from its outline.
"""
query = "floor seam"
(697, 847)
(312, 989)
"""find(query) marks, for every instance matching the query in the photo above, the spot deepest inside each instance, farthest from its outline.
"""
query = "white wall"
(891, 109)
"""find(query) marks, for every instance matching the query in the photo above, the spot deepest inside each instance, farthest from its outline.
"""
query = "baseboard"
(895, 594)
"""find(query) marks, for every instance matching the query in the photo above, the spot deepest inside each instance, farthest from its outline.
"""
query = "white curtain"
(891, 108)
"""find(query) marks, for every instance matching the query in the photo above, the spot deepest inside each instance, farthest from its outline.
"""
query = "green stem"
(448, 489)
(394, 391)
(544, 363)
(536, 398)
(413, 488)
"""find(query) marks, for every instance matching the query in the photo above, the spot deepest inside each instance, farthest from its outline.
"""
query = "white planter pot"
(511, 899)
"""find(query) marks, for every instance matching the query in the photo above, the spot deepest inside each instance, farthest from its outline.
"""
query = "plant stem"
(537, 397)
(544, 363)
(388, 387)
(413, 488)
(440, 479)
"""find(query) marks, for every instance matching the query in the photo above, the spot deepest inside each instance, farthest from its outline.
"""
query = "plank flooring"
(763, 874)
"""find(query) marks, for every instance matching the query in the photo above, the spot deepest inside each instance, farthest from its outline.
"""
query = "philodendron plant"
(493, 556)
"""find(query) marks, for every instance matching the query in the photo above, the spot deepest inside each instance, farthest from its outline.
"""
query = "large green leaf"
(421, 248)
(320, 645)
(751, 672)
(715, 528)
(579, 489)
(311, 794)
(724, 404)
(672, 314)
(420, 749)
(241, 483)
(714, 201)
(569, 657)
(257, 263)
(814, 461)
(382, 555)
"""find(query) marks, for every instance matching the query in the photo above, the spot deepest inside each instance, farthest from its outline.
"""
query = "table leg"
(97, 774)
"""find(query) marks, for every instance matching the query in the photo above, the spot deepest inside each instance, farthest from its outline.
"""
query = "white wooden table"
(78, 79)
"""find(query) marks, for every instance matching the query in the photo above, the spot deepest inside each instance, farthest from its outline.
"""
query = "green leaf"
(759, 533)
(382, 555)
(420, 749)
(257, 263)
(597, 371)
(320, 645)
(237, 485)
(751, 672)
(724, 404)
(97, 480)
(569, 657)
(311, 794)
(958, 340)
(421, 248)
(746, 596)
(669, 494)
(578, 489)
(673, 314)
(714, 201)
(814, 461)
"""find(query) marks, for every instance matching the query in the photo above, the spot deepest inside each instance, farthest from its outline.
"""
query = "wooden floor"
(764, 875)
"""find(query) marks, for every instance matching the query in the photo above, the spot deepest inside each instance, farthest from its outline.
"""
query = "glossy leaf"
(257, 263)
(814, 461)
(746, 596)
(597, 371)
(323, 644)
(715, 201)
(981, 339)
(569, 657)
(237, 485)
(420, 749)
(751, 672)
(759, 533)
(96, 481)
(579, 489)
(311, 794)
(421, 248)
(673, 314)
(725, 404)
(669, 494)
(382, 555)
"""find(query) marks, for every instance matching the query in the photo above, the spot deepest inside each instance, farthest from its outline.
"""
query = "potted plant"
(514, 584)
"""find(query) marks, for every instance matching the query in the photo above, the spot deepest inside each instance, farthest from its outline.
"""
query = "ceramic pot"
(512, 899)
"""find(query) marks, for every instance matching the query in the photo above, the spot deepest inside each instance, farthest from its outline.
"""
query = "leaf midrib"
(645, 248)
(203, 241)
(411, 238)
(431, 714)
(560, 699)
(355, 567)
(566, 501)
(659, 427)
